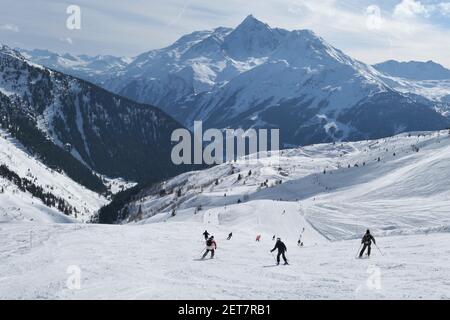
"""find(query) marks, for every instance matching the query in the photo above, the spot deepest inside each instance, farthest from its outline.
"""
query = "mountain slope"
(108, 133)
(329, 195)
(95, 69)
(412, 267)
(60, 200)
(256, 76)
(414, 70)
(339, 189)
(422, 79)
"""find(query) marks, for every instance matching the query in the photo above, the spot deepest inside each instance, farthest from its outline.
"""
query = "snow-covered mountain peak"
(187, 41)
(301, 45)
(414, 70)
(6, 51)
(95, 69)
(250, 23)
(259, 76)
(252, 38)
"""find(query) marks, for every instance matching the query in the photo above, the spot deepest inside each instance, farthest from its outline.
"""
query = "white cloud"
(9, 27)
(372, 34)
(410, 8)
(66, 40)
(444, 8)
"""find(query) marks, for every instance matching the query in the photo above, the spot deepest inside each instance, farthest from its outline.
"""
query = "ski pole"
(359, 249)
(273, 257)
(357, 254)
(379, 249)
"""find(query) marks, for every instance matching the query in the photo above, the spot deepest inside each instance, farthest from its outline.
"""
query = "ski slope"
(160, 261)
(394, 186)
(329, 195)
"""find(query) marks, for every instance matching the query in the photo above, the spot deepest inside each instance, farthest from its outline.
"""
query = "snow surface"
(160, 261)
(403, 199)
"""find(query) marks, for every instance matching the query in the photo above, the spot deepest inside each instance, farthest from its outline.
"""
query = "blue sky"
(371, 31)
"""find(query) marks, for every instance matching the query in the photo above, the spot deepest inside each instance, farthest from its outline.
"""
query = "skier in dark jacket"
(230, 235)
(367, 241)
(281, 250)
(211, 246)
(206, 234)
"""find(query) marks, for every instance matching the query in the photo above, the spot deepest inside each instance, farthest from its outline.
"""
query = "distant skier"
(230, 235)
(211, 246)
(273, 238)
(258, 237)
(281, 250)
(206, 234)
(367, 241)
(299, 242)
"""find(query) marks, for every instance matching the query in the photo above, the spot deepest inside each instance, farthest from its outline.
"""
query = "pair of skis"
(359, 257)
(277, 263)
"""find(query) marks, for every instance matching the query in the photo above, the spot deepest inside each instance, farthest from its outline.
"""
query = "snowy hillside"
(395, 185)
(17, 205)
(423, 79)
(326, 194)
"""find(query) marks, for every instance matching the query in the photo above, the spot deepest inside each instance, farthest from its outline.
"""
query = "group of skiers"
(211, 245)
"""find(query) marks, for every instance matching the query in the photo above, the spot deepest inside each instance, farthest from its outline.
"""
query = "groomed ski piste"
(397, 187)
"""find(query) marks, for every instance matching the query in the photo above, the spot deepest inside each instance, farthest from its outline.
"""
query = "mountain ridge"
(414, 70)
(247, 76)
(78, 121)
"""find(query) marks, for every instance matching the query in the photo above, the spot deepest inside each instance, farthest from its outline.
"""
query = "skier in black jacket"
(367, 241)
(206, 234)
(281, 250)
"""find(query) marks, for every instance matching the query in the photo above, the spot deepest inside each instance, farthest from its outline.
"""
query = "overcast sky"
(371, 31)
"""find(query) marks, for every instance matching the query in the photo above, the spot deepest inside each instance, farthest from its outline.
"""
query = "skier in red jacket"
(211, 246)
